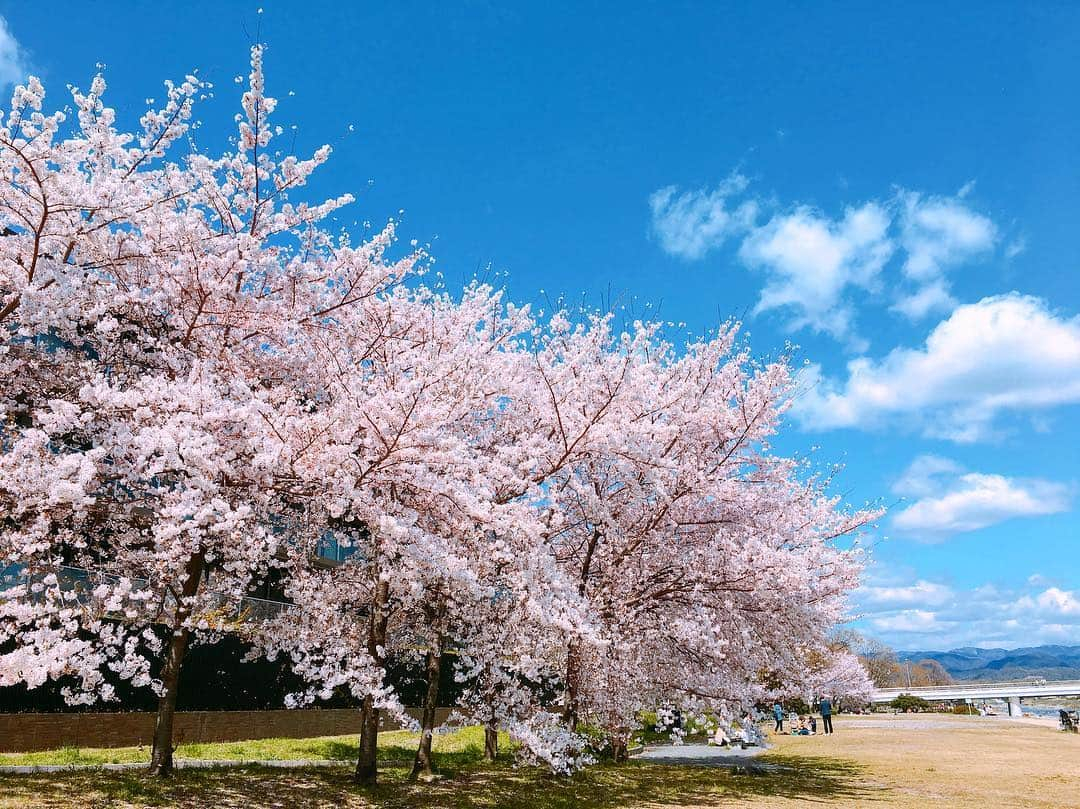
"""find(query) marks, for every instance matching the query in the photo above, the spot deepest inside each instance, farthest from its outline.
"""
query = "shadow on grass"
(464, 785)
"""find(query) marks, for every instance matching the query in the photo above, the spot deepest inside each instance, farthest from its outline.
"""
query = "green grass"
(455, 748)
(471, 786)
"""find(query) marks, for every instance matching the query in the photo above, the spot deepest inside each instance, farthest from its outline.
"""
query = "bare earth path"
(949, 761)
(904, 762)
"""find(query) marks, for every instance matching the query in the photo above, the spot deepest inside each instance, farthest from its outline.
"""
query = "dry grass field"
(907, 761)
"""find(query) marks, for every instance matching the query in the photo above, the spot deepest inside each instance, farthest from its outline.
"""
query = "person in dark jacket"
(778, 713)
(825, 706)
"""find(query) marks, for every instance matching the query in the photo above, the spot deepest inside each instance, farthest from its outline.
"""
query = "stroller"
(1070, 721)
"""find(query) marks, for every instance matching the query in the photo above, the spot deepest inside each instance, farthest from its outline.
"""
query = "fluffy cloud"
(937, 233)
(689, 224)
(981, 616)
(810, 260)
(951, 503)
(1004, 353)
(12, 62)
(1052, 602)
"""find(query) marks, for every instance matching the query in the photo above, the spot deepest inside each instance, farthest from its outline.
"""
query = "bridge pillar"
(1014, 707)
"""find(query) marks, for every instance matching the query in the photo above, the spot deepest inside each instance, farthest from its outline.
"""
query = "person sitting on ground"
(720, 738)
(813, 725)
(751, 735)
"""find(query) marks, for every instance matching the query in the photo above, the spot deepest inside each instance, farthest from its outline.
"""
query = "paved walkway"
(704, 755)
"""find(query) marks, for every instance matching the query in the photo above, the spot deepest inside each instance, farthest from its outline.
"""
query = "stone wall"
(48, 731)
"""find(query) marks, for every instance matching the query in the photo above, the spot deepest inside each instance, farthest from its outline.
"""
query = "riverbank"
(906, 761)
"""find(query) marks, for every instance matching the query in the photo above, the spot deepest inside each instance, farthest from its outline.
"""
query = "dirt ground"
(914, 761)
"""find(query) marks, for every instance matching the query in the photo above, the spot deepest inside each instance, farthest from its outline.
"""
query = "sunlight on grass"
(459, 746)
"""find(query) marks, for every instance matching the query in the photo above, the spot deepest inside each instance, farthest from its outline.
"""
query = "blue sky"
(897, 191)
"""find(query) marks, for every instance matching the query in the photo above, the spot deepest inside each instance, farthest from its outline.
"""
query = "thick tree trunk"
(161, 754)
(367, 771)
(422, 762)
(491, 742)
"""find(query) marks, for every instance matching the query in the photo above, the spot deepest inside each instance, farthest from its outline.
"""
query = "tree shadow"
(464, 784)
(662, 784)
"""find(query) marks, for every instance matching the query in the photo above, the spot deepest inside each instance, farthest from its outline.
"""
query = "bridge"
(1011, 692)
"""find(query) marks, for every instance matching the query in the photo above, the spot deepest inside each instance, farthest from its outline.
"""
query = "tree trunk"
(491, 742)
(161, 755)
(422, 762)
(367, 771)
(570, 711)
(619, 750)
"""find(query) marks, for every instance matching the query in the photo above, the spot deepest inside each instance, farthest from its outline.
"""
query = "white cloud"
(922, 593)
(933, 297)
(1052, 602)
(810, 261)
(986, 616)
(907, 621)
(937, 233)
(12, 59)
(924, 475)
(1015, 247)
(940, 232)
(691, 223)
(1004, 353)
(972, 500)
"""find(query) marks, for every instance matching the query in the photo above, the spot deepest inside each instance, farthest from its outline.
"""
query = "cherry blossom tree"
(161, 322)
(411, 455)
(705, 560)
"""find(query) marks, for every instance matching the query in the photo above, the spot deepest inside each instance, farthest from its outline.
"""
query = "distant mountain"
(970, 663)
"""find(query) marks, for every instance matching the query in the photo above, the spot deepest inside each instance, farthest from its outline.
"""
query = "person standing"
(825, 706)
(778, 713)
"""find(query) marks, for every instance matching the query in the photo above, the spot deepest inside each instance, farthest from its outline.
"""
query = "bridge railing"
(972, 685)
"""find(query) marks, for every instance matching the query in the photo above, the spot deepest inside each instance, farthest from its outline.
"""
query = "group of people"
(805, 725)
(748, 734)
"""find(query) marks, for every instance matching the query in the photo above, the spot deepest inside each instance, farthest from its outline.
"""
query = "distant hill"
(970, 663)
